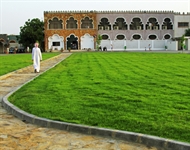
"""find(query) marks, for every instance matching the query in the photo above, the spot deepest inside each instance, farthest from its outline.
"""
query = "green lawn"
(140, 92)
(12, 62)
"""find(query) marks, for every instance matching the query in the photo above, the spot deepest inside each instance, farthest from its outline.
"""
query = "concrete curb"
(150, 141)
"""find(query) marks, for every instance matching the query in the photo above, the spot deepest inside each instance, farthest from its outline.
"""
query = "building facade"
(182, 22)
(65, 30)
(4, 43)
(13, 41)
(130, 30)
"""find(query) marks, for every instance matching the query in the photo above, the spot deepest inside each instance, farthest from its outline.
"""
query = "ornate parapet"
(178, 13)
(135, 12)
(70, 11)
(115, 12)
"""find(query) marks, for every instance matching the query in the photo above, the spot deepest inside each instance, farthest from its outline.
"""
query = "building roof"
(119, 11)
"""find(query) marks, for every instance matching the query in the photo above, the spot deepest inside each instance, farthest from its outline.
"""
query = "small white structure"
(87, 41)
(55, 42)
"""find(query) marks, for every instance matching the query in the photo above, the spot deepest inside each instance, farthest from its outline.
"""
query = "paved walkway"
(18, 135)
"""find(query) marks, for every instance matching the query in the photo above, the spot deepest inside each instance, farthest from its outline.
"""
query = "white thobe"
(36, 57)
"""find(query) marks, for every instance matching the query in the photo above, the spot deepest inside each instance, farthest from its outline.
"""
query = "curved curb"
(150, 141)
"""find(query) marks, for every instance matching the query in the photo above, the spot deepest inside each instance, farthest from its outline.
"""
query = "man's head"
(36, 44)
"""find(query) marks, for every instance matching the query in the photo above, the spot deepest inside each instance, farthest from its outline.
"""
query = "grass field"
(12, 62)
(141, 92)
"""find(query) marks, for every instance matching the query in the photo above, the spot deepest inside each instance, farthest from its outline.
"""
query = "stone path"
(18, 135)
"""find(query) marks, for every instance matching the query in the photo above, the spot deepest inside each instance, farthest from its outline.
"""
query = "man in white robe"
(36, 57)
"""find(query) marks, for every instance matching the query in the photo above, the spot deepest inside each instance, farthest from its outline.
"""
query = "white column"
(188, 44)
(152, 46)
(138, 44)
(111, 42)
(125, 44)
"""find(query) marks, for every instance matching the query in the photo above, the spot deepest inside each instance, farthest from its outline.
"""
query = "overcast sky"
(14, 13)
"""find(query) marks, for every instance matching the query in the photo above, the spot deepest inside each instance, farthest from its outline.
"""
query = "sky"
(14, 13)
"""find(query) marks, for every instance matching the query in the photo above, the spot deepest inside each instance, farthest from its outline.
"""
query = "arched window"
(136, 24)
(86, 23)
(105, 37)
(120, 37)
(104, 24)
(120, 24)
(167, 36)
(2, 40)
(136, 37)
(71, 23)
(167, 24)
(152, 24)
(12, 41)
(55, 23)
(152, 37)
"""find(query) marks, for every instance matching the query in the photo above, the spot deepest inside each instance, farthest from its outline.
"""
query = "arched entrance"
(72, 42)
(55, 42)
(87, 41)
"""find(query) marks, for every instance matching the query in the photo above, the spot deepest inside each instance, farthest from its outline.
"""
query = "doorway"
(72, 42)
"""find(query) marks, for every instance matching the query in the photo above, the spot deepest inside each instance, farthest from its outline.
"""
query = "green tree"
(32, 31)
(183, 42)
(187, 32)
(98, 41)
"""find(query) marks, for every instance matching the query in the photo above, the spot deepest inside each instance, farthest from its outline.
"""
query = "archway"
(167, 24)
(55, 23)
(104, 24)
(136, 24)
(55, 42)
(120, 24)
(87, 41)
(71, 23)
(152, 24)
(72, 42)
(86, 23)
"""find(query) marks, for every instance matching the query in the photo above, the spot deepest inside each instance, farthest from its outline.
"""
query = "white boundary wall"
(106, 43)
(118, 45)
(172, 45)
